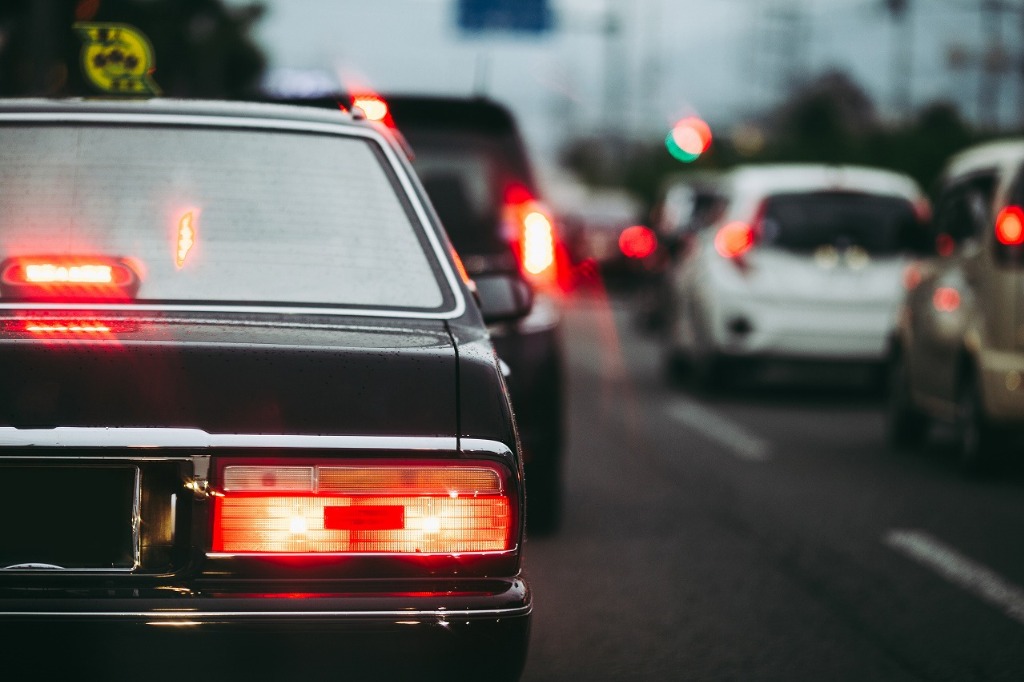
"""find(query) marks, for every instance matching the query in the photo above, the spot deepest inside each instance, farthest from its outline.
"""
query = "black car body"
(281, 442)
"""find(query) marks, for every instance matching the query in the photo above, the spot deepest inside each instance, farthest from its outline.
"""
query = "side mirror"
(503, 297)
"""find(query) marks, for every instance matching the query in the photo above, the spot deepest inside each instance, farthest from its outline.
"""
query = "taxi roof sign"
(117, 59)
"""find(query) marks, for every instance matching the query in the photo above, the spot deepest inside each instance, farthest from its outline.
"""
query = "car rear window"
(807, 221)
(276, 217)
(466, 176)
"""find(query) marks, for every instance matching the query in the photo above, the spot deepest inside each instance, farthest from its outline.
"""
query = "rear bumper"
(270, 638)
(745, 326)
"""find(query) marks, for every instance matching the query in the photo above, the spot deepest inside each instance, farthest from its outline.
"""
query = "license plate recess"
(81, 517)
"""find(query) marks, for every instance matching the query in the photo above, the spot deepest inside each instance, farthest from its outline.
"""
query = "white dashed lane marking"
(720, 429)
(963, 572)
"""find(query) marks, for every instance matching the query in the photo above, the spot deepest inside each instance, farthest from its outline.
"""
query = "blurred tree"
(825, 121)
(202, 48)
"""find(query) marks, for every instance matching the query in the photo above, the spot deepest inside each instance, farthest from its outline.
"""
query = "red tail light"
(532, 233)
(637, 241)
(946, 299)
(1010, 226)
(374, 106)
(60, 277)
(734, 239)
(912, 276)
(364, 508)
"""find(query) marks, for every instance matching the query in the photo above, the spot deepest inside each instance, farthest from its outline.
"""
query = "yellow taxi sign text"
(117, 59)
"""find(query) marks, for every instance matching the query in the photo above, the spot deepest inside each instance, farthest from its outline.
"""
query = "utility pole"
(614, 78)
(787, 29)
(1020, 66)
(994, 63)
(903, 56)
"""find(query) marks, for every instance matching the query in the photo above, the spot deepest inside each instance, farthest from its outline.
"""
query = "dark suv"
(473, 164)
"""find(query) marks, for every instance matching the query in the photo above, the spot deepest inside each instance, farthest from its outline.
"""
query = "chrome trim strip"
(249, 322)
(479, 446)
(144, 437)
(341, 128)
(136, 522)
(433, 614)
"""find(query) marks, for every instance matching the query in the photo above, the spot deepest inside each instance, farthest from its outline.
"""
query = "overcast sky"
(722, 59)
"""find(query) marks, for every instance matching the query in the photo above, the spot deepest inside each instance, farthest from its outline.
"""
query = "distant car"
(607, 240)
(250, 419)
(684, 205)
(958, 356)
(795, 263)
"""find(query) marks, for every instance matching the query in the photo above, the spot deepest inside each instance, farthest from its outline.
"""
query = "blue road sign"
(517, 16)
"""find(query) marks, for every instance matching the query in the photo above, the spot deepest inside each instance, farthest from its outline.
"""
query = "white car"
(798, 262)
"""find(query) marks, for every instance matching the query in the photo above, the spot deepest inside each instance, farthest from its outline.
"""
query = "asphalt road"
(764, 533)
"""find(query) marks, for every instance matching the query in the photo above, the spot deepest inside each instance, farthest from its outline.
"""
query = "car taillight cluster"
(637, 241)
(531, 231)
(1009, 233)
(734, 239)
(363, 508)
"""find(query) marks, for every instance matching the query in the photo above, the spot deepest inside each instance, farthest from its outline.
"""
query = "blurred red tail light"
(734, 239)
(637, 241)
(531, 231)
(61, 277)
(1010, 226)
(373, 106)
(361, 507)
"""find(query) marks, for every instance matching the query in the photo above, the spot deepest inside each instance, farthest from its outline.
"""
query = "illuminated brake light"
(637, 241)
(57, 277)
(374, 106)
(186, 239)
(57, 325)
(912, 276)
(360, 508)
(538, 243)
(49, 273)
(71, 327)
(946, 299)
(1010, 226)
(531, 232)
(734, 239)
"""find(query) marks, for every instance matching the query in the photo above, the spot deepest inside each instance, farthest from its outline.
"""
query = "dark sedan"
(250, 419)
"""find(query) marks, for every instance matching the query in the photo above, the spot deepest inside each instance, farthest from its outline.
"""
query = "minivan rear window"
(806, 221)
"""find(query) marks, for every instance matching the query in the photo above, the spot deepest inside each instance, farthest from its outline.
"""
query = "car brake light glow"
(437, 508)
(538, 243)
(637, 241)
(531, 231)
(374, 106)
(59, 325)
(734, 239)
(912, 276)
(49, 273)
(87, 277)
(186, 238)
(1010, 226)
(73, 327)
(946, 299)
(945, 245)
